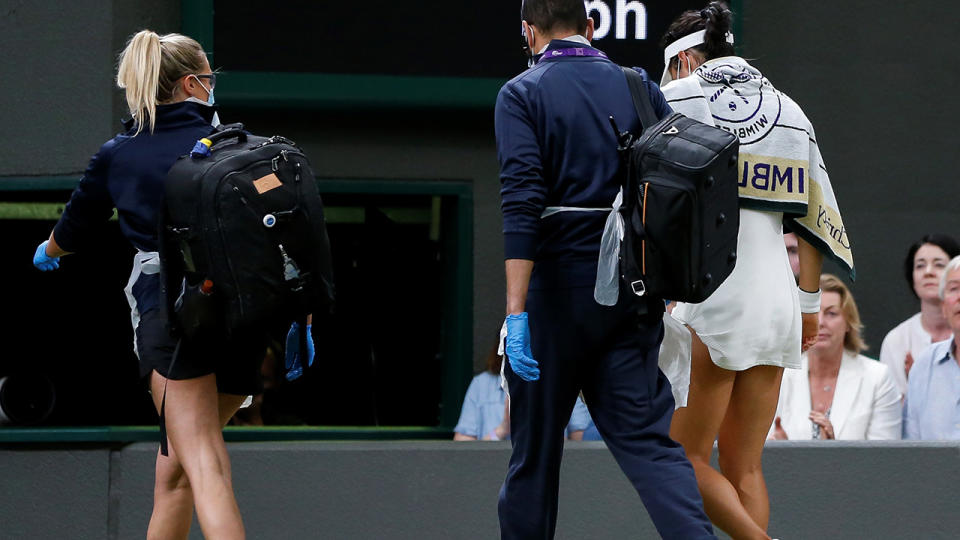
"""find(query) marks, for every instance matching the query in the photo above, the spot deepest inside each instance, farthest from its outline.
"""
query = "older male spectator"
(932, 408)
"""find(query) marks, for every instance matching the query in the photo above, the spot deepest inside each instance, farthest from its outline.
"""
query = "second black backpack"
(243, 237)
(681, 204)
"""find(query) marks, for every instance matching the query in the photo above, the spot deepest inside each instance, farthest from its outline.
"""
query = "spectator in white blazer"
(838, 393)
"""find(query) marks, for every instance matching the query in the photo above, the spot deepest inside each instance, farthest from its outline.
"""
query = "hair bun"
(716, 17)
(714, 20)
(717, 9)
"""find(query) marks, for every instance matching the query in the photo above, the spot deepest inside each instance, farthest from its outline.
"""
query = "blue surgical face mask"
(210, 99)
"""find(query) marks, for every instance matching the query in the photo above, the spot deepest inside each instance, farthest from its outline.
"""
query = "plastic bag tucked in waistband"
(606, 291)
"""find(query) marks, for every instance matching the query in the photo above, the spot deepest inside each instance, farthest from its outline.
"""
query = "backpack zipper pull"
(240, 194)
(291, 272)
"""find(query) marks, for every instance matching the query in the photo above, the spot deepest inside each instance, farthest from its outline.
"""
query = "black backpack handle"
(228, 132)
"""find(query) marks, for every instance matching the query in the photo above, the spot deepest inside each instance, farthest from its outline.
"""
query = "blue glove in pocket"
(292, 360)
(517, 348)
(43, 261)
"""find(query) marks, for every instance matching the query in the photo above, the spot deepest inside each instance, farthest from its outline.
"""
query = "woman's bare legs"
(743, 434)
(696, 426)
(193, 414)
(172, 500)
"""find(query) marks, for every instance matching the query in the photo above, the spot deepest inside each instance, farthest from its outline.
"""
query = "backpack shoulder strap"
(641, 98)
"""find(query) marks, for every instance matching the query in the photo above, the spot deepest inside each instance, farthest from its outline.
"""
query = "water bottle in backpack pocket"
(197, 311)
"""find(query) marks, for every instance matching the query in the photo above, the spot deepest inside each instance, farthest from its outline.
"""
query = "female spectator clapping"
(922, 269)
(838, 393)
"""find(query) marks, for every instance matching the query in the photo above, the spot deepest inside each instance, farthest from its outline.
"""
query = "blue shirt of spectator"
(580, 419)
(483, 408)
(932, 407)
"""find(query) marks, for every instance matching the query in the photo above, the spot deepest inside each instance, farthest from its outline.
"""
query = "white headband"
(682, 44)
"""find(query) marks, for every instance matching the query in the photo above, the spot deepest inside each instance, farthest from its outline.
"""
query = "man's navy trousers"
(610, 353)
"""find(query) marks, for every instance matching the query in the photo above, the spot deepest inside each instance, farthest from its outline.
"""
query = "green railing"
(127, 434)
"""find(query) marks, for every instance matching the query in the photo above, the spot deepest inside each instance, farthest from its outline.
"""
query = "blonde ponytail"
(150, 67)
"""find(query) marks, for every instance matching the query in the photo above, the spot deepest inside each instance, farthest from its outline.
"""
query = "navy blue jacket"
(128, 173)
(556, 148)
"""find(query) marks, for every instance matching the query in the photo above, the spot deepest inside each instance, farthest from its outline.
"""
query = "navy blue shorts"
(236, 363)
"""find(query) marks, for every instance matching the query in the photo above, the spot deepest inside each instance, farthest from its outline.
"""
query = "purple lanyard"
(576, 51)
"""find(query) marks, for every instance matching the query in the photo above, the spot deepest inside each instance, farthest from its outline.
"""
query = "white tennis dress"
(753, 318)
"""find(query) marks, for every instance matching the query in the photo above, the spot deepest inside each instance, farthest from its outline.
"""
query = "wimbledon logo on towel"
(754, 106)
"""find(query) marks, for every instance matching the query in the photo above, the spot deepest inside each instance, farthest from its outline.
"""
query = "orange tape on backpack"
(643, 243)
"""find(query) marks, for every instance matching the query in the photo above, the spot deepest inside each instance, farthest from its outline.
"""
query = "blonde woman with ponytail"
(169, 90)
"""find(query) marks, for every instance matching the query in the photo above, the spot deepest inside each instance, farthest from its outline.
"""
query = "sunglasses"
(211, 78)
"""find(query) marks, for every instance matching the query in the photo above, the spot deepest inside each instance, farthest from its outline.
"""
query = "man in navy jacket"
(560, 173)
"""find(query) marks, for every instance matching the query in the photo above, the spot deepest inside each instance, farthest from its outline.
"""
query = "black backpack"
(243, 238)
(680, 206)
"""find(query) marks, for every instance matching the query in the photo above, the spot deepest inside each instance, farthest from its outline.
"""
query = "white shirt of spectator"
(866, 403)
(908, 336)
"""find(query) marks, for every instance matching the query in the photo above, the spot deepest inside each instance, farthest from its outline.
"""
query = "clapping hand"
(826, 428)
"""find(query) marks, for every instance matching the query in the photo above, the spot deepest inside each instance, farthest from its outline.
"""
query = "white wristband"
(809, 301)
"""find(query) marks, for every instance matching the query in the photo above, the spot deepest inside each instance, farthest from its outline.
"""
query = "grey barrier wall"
(446, 490)
(54, 493)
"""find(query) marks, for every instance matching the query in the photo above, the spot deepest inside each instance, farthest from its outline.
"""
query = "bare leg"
(743, 434)
(172, 495)
(695, 427)
(198, 460)
(172, 500)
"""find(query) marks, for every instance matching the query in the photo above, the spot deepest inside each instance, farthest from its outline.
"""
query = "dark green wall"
(59, 98)
(876, 82)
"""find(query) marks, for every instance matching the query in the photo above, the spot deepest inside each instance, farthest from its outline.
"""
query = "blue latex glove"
(43, 261)
(517, 348)
(292, 359)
